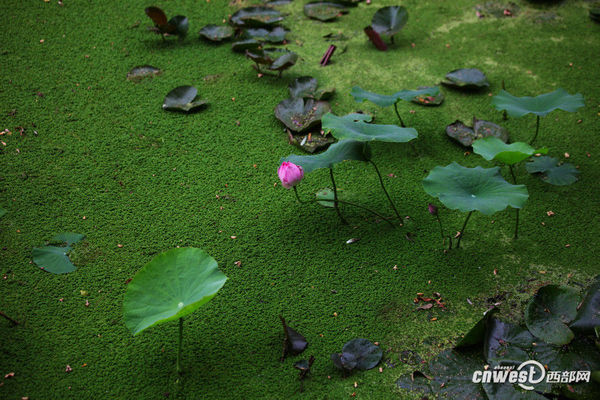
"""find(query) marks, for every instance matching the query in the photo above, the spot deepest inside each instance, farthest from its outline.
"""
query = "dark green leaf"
(540, 105)
(505, 343)
(389, 20)
(508, 391)
(489, 129)
(256, 17)
(181, 25)
(470, 189)
(476, 334)
(53, 259)
(183, 98)
(492, 148)
(174, 284)
(336, 153)
(345, 128)
(427, 99)
(294, 343)
(305, 86)
(284, 61)
(67, 237)
(383, 100)
(247, 44)
(138, 73)
(275, 35)
(549, 312)
(468, 78)
(466, 135)
(552, 172)
(323, 11)
(588, 315)
(366, 354)
(300, 114)
(216, 33)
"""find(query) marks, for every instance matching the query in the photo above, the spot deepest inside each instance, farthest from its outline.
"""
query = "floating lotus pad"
(358, 354)
(549, 312)
(540, 105)
(427, 99)
(389, 20)
(306, 86)
(174, 284)
(492, 148)
(383, 100)
(55, 259)
(183, 98)
(300, 114)
(552, 172)
(144, 71)
(474, 189)
(345, 128)
(336, 153)
(466, 135)
(588, 315)
(216, 33)
(247, 44)
(275, 35)
(275, 59)
(178, 25)
(469, 78)
(256, 17)
(69, 238)
(324, 11)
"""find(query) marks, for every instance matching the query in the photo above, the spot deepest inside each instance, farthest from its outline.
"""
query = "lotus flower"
(290, 174)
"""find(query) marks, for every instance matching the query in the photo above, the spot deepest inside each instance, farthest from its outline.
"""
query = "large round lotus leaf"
(336, 153)
(181, 25)
(345, 128)
(182, 98)
(469, 78)
(474, 189)
(284, 61)
(299, 114)
(540, 105)
(552, 172)
(275, 35)
(256, 17)
(549, 312)
(247, 44)
(383, 100)
(138, 73)
(216, 33)
(53, 259)
(366, 354)
(389, 20)
(323, 11)
(171, 286)
(492, 148)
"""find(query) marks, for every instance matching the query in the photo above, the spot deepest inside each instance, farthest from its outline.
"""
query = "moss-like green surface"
(99, 156)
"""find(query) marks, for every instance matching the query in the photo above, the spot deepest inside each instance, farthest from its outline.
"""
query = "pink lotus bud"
(290, 174)
(432, 209)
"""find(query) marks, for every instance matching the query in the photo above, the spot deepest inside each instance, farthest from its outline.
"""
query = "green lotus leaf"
(306, 86)
(345, 128)
(67, 237)
(256, 17)
(549, 312)
(540, 105)
(284, 61)
(466, 135)
(53, 259)
(474, 189)
(363, 354)
(358, 117)
(389, 20)
(588, 315)
(336, 153)
(323, 11)
(247, 44)
(383, 100)
(275, 35)
(492, 148)
(183, 98)
(138, 73)
(552, 172)
(174, 284)
(181, 25)
(468, 78)
(275, 59)
(427, 99)
(300, 114)
(216, 33)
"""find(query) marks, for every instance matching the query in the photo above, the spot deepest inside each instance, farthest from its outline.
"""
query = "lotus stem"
(504, 114)
(348, 203)
(179, 370)
(462, 231)
(335, 198)
(398, 115)
(512, 172)
(385, 191)
(537, 129)
(9, 318)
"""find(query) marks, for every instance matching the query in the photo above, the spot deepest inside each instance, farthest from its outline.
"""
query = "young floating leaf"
(540, 105)
(492, 148)
(324, 11)
(138, 73)
(383, 100)
(474, 189)
(588, 315)
(216, 33)
(293, 343)
(357, 353)
(274, 59)
(300, 114)
(549, 312)
(552, 172)
(336, 153)
(183, 98)
(389, 20)
(345, 128)
(174, 284)
(256, 17)
(69, 238)
(53, 259)
(469, 78)
(275, 35)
